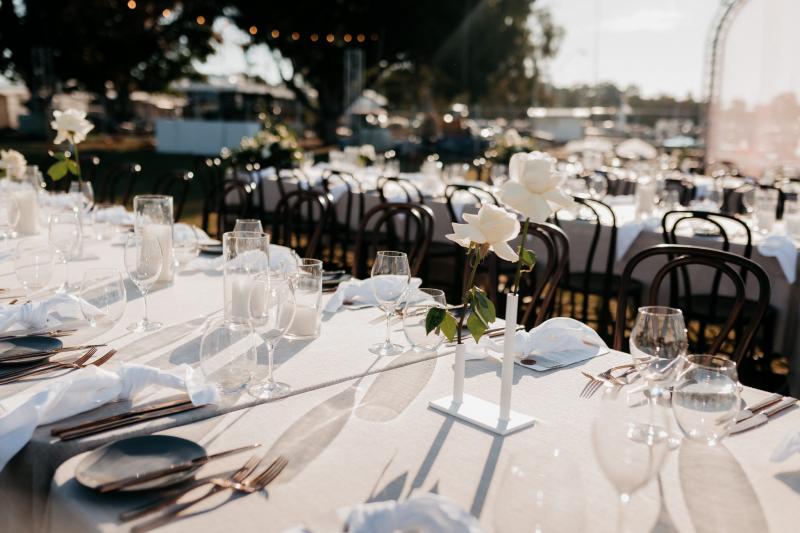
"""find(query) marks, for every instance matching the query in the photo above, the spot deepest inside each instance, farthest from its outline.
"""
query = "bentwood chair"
(175, 183)
(409, 190)
(120, 182)
(734, 268)
(539, 288)
(300, 217)
(233, 201)
(378, 230)
(349, 208)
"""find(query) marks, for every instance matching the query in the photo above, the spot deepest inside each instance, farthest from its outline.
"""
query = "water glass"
(83, 192)
(248, 224)
(598, 186)
(103, 296)
(66, 236)
(418, 303)
(227, 354)
(245, 255)
(33, 265)
(706, 397)
(185, 245)
(658, 341)
(143, 261)
(307, 281)
(766, 209)
(391, 275)
(153, 219)
(791, 218)
(9, 215)
(272, 313)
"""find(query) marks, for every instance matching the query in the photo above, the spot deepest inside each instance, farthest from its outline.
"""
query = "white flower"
(493, 226)
(368, 151)
(70, 125)
(511, 137)
(533, 186)
(13, 163)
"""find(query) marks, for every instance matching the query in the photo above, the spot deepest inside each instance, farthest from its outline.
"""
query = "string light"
(166, 13)
(314, 37)
(253, 30)
(361, 38)
(131, 4)
(348, 37)
(329, 38)
(295, 36)
(200, 19)
(275, 34)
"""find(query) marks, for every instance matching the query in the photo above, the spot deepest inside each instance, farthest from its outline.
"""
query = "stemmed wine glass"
(390, 278)
(66, 236)
(630, 437)
(272, 309)
(103, 296)
(33, 265)
(658, 342)
(143, 261)
(185, 246)
(9, 216)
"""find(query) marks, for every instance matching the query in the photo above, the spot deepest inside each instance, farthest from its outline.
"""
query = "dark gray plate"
(128, 457)
(23, 345)
(211, 249)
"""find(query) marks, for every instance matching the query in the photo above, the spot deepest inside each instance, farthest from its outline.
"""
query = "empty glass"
(227, 354)
(185, 245)
(307, 281)
(103, 296)
(658, 341)
(33, 264)
(9, 216)
(66, 236)
(630, 437)
(766, 209)
(143, 261)
(248, 224)
(418, 303)
(391, 275)
(272, 310)
(84, 193)
(706, 397)
(598, 186)
(791, 218)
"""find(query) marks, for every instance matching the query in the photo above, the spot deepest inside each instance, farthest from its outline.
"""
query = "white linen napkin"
(280, 258)
(784, 250)
(789, 446)
(85, 389)
(554, 343)
(116, 215)
(37, 315)
(424, 513)
(182, 232)
(362, 291)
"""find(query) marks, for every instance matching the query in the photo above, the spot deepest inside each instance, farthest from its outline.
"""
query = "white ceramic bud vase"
(458, 373)
(509, 353)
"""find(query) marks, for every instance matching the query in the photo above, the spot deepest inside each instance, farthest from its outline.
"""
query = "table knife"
(762, 418)
(746, 413)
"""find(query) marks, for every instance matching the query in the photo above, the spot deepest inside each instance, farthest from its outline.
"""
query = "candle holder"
(154, 221)
(245, 255)
(308, 300)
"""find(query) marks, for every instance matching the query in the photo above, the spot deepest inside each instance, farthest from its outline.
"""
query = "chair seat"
(576, 281)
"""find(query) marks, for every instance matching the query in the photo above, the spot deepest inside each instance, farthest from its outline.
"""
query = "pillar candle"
(28, 211)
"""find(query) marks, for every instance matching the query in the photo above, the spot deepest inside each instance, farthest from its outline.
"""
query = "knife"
(180, 467)
(762, 418)
(749, 411)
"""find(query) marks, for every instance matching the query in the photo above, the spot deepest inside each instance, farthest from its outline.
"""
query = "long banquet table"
(359, 429)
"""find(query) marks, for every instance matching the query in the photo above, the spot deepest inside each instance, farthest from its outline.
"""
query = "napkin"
(425, 513)
(362, 291)
(85, 389)
(280, 258)
(789, 446)
(184, 232)
(784, 250)
(37, 315)
(554, 343)
(116, 215)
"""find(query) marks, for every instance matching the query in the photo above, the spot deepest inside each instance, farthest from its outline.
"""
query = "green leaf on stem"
(483, 306)
(527, 260)
(434, 318)
(72, 166)
(57, 170)
(449, 326)
(476, 326)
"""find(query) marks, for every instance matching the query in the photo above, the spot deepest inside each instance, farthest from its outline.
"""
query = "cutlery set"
(759, 414)
(607, 376)
(47, 366)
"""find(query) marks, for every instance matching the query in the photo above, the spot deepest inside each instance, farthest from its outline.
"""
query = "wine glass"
(143, 261)
(706, 397)
(390, 278)
(84, 191)
(272, 310)
(9, 216)
(658, 341)
(418, 303)
(598, 186)
(103, 296)
(33, 264)
(185, 245)
(630, 437)
(227, 354)
(248, 224)
(66, 236)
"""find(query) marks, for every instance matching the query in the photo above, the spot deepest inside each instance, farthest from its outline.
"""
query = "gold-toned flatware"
(167, 404)
(53, 333)
(47, 366)
(592, 386)
(17, 357)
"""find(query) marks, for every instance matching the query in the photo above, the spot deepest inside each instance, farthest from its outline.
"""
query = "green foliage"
(434, 318)
(476, 326)
(527, 260)
(479, 314)
(58, 170)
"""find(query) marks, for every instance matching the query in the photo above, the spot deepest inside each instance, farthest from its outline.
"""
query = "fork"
(248, 486)
(47, 367)
(592, 386)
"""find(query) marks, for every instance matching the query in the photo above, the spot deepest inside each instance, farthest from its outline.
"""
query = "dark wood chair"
(232, 202)
(120, 183)
(176, 183)
(412, 193)
(378, 231)
(341, 228)
(539, 288)
(300, 217)
(676, 258)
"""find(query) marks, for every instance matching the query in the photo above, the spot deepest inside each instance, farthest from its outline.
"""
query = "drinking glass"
(658, 341)
(245, 255)
(766, 209)
(307, 282)
(103, 296)
(9, 216)
(227, 354)
(66, 236)
(154, 220)
(84, 192)
(598, 186)
(749, 200)
(143, 261)
(185, 245)
(791, 218)
(706, 397)
(272, 310)
(33, 264)
(248, 224)
(630, 437)
(390, 278)
(418, 303)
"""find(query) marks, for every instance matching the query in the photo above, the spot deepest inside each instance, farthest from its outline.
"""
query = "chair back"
(410, 190)
(681, 256)
(175, 183)
(378, 231)
(232, 202)
(340, 232)
(120, 182)
(478, 195)
(300, 217)
(544, 291)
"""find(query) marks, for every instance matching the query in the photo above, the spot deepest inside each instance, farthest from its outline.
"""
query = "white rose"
(493, 226)
(13, 164)
(368, 151)
(533, 186)
(70, 125)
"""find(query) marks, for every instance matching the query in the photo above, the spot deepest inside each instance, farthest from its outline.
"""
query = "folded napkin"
(37, 315)
(280, 258)
(184, 232)
(362, 291)
(789, 446)
(116, 215)
(85, 389)
(425, 513)
(555, 343)
(784, 250)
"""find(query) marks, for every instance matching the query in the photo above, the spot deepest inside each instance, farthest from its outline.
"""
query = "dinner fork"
(592, 386)
(81, 362)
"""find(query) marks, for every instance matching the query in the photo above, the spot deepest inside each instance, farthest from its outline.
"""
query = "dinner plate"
(31, 344)
(127, 457)
(211, 248)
